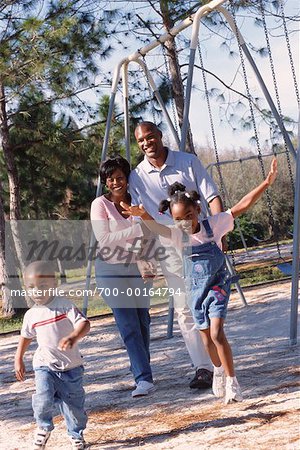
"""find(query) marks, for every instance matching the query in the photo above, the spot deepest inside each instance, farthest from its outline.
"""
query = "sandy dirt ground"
(174, 416)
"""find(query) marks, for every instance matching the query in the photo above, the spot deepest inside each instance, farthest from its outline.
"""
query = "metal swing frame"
(122, 66)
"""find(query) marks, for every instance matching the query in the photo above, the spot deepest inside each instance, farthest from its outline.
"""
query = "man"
(148, 184)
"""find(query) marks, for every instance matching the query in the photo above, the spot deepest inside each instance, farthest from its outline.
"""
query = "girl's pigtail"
(164, 206)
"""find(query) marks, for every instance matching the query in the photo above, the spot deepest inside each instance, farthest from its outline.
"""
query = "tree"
(50, 48)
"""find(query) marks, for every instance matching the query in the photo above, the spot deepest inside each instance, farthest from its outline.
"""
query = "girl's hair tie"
(187, 195)
(168, 199)
(160, 213)
(198, 202)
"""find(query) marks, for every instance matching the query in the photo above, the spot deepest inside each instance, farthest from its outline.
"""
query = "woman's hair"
(111, 165)
(178, 194)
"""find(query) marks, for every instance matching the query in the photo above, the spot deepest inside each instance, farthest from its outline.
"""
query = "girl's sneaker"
(77, 443)
(233, 391)
(219, 382)
(40, 439)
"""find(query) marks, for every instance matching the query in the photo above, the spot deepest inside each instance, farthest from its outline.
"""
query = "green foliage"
(50, 156)
(252, 232)
(50, 46)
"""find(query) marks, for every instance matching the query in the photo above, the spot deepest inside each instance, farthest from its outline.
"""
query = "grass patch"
(259, 274)
(8, 324)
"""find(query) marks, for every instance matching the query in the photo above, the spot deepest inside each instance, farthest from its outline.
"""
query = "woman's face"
(117, 183)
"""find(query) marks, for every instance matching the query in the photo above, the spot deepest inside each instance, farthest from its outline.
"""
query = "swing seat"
(285, 268)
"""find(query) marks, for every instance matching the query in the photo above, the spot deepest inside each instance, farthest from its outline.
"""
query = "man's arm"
(19, 363)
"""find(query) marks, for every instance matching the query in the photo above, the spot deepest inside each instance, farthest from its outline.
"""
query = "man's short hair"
(148, 124)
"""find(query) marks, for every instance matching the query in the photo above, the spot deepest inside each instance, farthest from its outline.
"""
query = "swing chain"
(150, 91)
(213, 133)
(288, 44)
(276, 92)
(212, 127)
(170, 90)
(260, 159)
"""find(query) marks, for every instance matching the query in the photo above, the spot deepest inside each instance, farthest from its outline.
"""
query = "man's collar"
(168, 162)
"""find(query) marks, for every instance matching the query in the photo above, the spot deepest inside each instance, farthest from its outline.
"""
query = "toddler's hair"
(178, 194)
(40, 268)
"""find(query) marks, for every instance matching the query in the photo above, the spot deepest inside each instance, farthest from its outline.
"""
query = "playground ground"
(175, 417)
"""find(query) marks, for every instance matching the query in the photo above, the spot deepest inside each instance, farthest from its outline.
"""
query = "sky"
(217, 60)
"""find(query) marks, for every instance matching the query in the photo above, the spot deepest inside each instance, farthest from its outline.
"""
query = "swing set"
(180, 136)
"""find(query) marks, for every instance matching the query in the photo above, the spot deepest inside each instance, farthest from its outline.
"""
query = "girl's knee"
(217, 335)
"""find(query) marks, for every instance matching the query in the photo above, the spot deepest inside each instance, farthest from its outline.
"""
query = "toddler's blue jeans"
(62, 388)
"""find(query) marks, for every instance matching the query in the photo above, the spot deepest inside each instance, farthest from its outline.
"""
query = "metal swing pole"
(92, 242)
(126, 110)
(296, 250)
(175, 135)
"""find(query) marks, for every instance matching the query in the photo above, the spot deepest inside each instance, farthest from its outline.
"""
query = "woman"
(117, 274)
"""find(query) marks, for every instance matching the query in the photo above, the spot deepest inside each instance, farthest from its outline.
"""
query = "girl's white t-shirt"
(220, 224)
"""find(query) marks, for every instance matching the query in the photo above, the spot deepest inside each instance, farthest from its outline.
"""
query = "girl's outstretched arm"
(148, 220)
(246, 202)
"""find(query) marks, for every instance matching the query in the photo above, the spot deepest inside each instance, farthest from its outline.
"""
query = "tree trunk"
(13, 179)
(175, 74)
(7, 303)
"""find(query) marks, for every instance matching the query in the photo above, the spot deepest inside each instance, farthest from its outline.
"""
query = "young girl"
(207, 278)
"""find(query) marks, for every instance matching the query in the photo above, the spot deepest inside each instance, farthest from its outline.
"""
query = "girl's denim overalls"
(207, 280)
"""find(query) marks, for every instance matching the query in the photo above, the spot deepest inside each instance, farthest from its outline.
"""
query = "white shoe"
(219, 382)
(77, 443)
(233, 391)
(40, 439)
(143, 388)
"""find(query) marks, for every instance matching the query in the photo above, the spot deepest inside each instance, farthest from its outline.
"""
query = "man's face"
(149, 140)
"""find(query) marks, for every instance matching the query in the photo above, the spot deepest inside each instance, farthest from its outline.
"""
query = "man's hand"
(20, 369)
